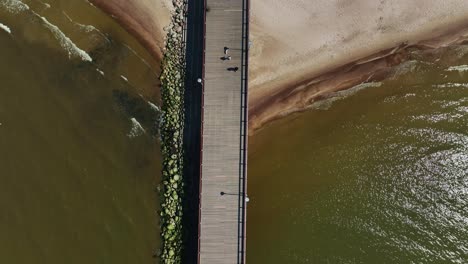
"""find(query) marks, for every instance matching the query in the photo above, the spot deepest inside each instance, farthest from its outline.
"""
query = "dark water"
(378, 177)
(79, 158)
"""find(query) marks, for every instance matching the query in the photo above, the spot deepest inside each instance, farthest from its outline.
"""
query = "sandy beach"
(319, 47)
(144, 19)
(305, 50)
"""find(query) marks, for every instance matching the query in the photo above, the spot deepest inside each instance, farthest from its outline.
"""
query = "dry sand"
(304, 50)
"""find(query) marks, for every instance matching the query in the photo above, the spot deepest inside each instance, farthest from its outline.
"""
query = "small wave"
(138, 56)
(85, 28)
(47, 5)
(390, 99)
(5, 28)
(136, 130)
(65, 41)
(44, 4)
(14, 6)
(409, 95)
(153, 107)
(404, 68)
(91, 4)
(100, 71)
(327, 103)
(460, 68)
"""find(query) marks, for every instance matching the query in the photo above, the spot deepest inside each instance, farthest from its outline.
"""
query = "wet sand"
(144, 19)
(299, 95)
(318, 47)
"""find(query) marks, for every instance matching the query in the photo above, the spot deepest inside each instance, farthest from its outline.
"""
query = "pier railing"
(202, 124)
(243, 134)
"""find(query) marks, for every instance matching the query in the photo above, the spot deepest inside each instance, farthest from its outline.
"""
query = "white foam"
(364, 86)
(153, 106)
(327, 103)
(91, 4)
(66, 42)
(46, 5)
(404, 68)
(85, 28)
(409, 95)
(124, 78)
(5, 28)
(136, 130)
(460, 68)
(14, 6)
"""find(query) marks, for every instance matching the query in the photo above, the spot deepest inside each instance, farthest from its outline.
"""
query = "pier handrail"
(244, 134)
(201, 126)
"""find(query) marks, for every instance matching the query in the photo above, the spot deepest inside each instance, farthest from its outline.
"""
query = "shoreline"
(298, 90)
(143, 19)
(299, 95)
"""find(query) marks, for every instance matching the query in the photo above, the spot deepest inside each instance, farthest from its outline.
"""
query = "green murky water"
(378, 177)
(79, 158)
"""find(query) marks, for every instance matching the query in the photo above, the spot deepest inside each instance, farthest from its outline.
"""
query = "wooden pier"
(223, 177)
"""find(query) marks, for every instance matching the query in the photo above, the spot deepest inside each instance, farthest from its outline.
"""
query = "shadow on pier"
(192, 127)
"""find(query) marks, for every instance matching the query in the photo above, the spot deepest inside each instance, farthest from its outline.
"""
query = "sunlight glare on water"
(380, 176)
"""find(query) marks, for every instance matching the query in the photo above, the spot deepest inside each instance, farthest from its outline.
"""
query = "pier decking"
(223, 179)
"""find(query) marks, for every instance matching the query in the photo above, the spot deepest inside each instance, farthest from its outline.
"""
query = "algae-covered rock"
(171, 131)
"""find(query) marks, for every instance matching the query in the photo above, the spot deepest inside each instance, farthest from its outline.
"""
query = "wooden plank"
(221, 170)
